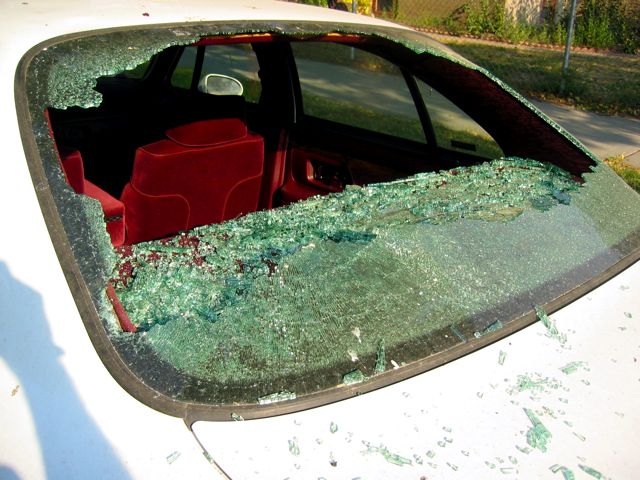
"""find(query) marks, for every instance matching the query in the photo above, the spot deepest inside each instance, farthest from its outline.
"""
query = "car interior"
(205, 133)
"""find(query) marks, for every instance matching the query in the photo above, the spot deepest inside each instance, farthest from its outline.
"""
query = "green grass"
(628, 174)
(601, 83)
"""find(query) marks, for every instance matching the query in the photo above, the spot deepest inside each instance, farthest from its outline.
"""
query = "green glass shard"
(550, 325)
(628, 315)
(333, 428)
(294, 448)
(236, 417)
(538, 383)
(591, 471)
(494, 327)
(173, 457)
(389, 456)
(537, 436)
(525, 450)
(580, 437)
(355, 376)
(276, 397)
(209, 458)
(452, 466)
(501, 357)
(431, 453)
(572, 367)
(567, 474)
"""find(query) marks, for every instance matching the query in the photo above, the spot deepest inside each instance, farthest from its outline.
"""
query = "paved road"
(605, 136)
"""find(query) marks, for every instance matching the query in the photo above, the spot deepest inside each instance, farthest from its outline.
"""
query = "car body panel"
(64, 416)
(467, 419)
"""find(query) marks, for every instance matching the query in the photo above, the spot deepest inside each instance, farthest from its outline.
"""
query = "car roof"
(26, 23)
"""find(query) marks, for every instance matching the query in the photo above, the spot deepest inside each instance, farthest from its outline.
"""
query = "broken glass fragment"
(591, 471)
(390, 457)
(501, 357)
(381, 363)
(525, 382)
(525, 450)
(580, 437)
(550, 325)
(431, 453)
(294, 448)
(452, 466)
(355, 376)
(236, 417)
(276, 397)
(567, 474)
(173, 457)
(628, 315)
(572, 367)
(494, 327)
(333, 428)
(537, 436)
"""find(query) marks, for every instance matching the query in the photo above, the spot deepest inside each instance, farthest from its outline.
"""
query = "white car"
(266, 240)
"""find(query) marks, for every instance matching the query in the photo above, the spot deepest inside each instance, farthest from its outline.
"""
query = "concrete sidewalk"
(605, 136)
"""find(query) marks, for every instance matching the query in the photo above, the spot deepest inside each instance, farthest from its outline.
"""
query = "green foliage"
(485, 17)
(319, 3)
(629, 174)
(609, 24)
(362, 6)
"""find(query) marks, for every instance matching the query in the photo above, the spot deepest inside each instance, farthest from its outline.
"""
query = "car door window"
(236, 61)
(454, 129)
(347, 85)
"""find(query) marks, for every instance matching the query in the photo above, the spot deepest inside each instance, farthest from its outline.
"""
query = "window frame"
(30, 121)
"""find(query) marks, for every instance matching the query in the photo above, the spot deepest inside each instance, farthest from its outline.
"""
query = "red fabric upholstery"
(208, 132)
(113, 209)
(153, 216)
(206, 172)
(73, 169)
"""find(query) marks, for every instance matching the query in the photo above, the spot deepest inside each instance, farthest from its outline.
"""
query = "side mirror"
(217, 84)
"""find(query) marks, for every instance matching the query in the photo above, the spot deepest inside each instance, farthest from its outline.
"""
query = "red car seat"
(73, 168)
(204, 172)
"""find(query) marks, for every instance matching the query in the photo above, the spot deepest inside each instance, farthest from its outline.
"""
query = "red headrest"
(208, 132)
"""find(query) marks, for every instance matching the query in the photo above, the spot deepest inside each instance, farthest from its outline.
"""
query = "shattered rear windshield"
(335, 289)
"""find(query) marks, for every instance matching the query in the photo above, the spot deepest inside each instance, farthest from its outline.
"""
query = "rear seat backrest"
(73, 168)
(205, 172)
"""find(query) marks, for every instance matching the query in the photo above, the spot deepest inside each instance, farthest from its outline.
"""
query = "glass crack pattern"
(274, 297)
